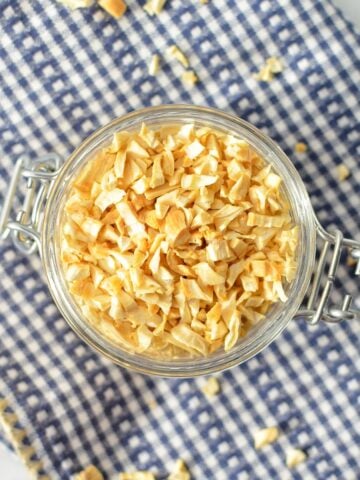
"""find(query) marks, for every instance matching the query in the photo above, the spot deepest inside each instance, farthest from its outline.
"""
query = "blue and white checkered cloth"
(62, 75)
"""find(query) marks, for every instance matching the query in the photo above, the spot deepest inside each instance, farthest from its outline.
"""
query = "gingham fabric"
(62, 75)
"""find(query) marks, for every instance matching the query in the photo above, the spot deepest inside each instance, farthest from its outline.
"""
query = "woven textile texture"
(62, 75)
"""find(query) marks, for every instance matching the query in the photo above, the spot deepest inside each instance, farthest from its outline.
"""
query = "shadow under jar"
(43, 230)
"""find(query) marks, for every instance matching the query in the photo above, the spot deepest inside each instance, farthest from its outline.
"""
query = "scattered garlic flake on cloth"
(73, 4)
(137, 476)
(154, 65)
(351, 261)
(90, 473)
(211, 387)
(180, 471)
(265, 436)
(301, 147)
(176, 53)
(176, 242)
(273, 66)
(116, 8)
(342, 172)
(189, 77)
(154, 7)
(295, 457)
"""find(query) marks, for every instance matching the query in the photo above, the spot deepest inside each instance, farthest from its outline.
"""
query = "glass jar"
(40, 227)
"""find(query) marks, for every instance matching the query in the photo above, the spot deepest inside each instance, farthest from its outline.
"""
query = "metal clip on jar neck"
(26, 227)
(318, 307)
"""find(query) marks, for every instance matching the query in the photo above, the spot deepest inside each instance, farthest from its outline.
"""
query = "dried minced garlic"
(211, 387)
(295, 457)
(342, 172)
(273, 65)
(115, 8)
(180, 471)
(189, 77)
(176, 53)
(137, 476)
(301, 147)
(176, 242)
(154, 7)
(90, 473)
(73, 4)
(351, 261)
(265, 436)
(154, 65)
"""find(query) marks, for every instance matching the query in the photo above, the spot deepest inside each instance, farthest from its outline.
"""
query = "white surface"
(10, 466)
(351, 10)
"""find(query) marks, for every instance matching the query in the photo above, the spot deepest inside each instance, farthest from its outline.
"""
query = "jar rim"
(261, 335)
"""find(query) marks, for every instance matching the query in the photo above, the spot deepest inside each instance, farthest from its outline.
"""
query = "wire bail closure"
(318, 307)
(39, 175)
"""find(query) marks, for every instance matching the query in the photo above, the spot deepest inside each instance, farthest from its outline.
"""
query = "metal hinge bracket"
(318, 307)
(24, 227)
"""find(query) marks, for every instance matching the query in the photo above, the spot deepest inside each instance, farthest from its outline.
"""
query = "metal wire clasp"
(39, 175)
(317, 307)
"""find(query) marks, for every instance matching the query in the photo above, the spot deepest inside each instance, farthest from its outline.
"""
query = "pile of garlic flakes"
(176, 242)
